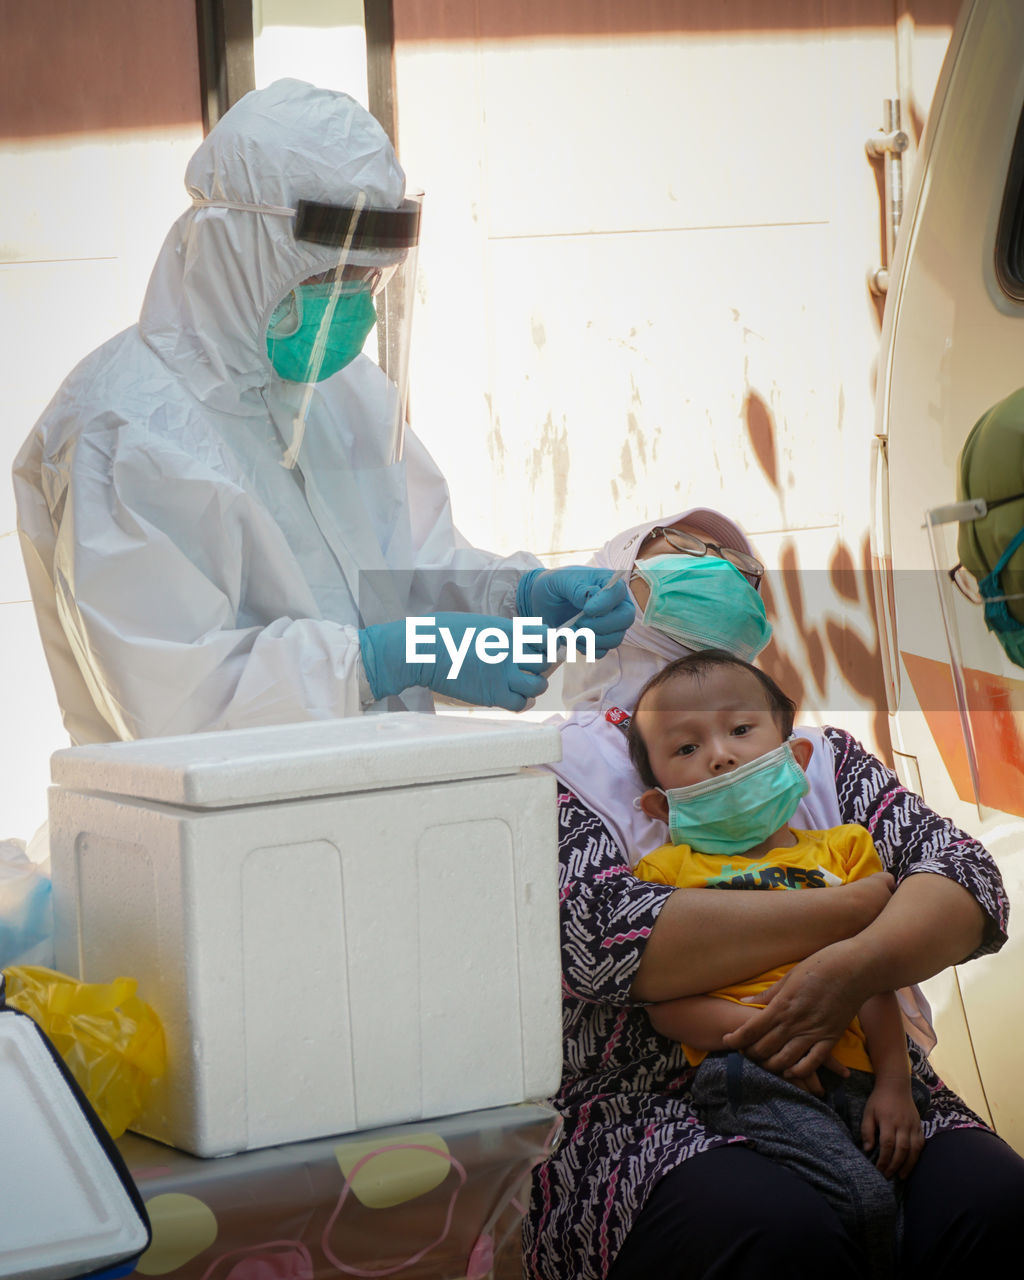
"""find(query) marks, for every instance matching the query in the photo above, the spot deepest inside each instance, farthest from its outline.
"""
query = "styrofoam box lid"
(316, 758)
(64, 1210)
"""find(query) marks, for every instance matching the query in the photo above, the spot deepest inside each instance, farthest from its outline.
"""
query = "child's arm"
(699, 1021)
(702, 1022)
(890, 1117)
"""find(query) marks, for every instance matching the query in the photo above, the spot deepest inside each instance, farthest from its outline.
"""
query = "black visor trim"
(374, 228)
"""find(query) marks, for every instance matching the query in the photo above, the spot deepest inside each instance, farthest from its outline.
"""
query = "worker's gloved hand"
(558, 595)
(395, 658)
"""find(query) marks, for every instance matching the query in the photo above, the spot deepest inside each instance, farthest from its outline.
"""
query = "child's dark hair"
(697, 665)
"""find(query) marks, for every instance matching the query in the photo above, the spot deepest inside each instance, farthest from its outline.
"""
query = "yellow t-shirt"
(817, 860)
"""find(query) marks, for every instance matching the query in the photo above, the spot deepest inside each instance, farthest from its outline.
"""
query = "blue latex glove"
(486, 684)
(558, 595)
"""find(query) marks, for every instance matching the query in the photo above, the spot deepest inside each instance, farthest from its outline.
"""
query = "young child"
(711, 738)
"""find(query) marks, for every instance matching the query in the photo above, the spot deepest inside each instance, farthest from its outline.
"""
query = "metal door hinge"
(889, 144)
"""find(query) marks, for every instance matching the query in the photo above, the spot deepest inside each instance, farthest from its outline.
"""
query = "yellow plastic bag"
(111, 1040)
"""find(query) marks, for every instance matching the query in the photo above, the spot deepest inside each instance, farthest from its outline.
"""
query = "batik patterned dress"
(625, 1092)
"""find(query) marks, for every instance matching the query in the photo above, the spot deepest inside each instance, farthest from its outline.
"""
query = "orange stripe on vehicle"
(996, 708)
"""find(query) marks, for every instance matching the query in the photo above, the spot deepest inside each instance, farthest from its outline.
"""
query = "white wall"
(89, 213)
(643, 287)
(321, 41)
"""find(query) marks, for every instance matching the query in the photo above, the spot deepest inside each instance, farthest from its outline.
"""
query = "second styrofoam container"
(65, 1207)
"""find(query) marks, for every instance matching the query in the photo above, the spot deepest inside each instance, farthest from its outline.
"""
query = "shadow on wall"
(103, 66)
(819, 609)
(470, 20)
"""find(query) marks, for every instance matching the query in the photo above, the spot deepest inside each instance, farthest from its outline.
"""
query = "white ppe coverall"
(183, 578)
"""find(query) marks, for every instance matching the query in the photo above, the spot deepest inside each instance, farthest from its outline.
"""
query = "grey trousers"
(818, 1138)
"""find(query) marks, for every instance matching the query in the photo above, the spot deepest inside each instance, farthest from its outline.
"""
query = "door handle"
(889, 144)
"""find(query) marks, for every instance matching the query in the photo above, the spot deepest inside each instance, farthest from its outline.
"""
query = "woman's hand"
(930, 922)
(804, 1014)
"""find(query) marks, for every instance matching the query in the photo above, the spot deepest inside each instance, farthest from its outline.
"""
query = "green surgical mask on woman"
(295, 325)
(704, 603)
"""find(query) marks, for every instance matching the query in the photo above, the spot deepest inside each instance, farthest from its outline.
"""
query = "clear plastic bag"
(26, 909)
(111, 1040)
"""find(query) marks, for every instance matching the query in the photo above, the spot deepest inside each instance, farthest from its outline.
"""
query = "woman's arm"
(929, 924)
(626, 940)
(912, 839)
(707, 938)
(949, 906)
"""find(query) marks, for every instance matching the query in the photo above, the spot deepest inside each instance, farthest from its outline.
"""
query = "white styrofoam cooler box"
(342, 924)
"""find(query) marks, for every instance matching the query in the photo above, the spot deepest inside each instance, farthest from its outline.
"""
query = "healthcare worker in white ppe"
(224, 520)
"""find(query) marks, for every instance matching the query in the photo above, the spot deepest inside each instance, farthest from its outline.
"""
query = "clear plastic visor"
(988, 687)
(359, 306)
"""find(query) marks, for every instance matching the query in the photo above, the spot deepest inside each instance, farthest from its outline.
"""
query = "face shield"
(983, 647)
(977, 550)
(359, 305)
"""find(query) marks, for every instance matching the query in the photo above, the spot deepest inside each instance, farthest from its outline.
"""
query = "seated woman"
(637, 1187)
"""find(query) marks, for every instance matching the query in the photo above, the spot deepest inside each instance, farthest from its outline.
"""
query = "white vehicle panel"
(952, 346)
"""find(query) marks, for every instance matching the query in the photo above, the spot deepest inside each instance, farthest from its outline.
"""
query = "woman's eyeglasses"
(690, 545)
(351, 279)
